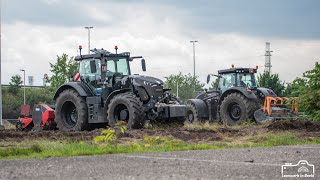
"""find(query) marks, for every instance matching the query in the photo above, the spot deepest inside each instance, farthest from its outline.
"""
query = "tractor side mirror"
(208, 78)
(93, 66)
(143, 64)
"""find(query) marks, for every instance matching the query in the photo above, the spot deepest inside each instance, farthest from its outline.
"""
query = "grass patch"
(43, 149)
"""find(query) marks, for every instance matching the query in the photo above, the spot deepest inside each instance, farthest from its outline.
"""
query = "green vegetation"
(188, 86)
(12, 102)
(15, 84)
(310, 93)
(271, 81)
(110, 135)
(62, 70)
(43, 149)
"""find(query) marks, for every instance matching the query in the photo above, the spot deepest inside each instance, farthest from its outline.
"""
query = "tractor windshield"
(247, 79)
(119, 65)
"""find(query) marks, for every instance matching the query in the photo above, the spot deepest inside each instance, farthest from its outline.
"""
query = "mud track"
(303, 128)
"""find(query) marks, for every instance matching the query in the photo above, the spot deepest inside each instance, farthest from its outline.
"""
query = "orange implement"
(280, 101)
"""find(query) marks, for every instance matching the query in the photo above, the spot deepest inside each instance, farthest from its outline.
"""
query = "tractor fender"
(78, 86)
(241, 90)
(111, 95)
(201, 107)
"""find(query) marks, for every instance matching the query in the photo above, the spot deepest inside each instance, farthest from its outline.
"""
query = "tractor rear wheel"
(71, 112)
(126, 107)
(192, 114)
(235, 108)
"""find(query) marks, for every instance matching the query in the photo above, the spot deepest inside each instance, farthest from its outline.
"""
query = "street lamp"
(194, 63)
(24, 86)
(88, 27)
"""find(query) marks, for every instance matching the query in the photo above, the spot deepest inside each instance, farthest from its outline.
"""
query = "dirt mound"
(295, 125)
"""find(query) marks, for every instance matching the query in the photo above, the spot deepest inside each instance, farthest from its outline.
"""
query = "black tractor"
(234, 100)
(106, 92)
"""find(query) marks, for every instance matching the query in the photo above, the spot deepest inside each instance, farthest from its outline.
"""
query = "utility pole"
(1, 123)
(267, 55)
(88, 27)
(194, 63)
(24, 86)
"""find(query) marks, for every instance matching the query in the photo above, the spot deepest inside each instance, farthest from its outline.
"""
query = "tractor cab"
(103, 69)
(237, 77)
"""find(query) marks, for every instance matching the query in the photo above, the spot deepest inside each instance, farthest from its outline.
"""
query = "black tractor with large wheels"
(104, 92)
(234, 100)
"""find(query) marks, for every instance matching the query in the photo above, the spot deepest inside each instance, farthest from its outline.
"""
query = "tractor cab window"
(226, 81)
(247, 80)
(90, 70)
(119, 65)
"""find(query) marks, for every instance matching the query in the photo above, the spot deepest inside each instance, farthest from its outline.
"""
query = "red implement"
(42, 117)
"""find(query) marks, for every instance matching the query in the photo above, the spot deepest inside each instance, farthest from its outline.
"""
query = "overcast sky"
(229, 32)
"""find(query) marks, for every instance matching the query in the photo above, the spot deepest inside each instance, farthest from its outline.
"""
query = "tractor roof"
(238, 70)
(98, 53)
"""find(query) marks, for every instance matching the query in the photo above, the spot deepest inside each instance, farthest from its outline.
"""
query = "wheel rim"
(70, 113)
(190, 116)
(234, 111)
(121, 113)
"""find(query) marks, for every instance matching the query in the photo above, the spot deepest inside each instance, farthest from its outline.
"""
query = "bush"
(12, 102)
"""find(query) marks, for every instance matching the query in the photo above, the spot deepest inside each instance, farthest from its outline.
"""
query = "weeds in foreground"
(110, 135)
(147, 144)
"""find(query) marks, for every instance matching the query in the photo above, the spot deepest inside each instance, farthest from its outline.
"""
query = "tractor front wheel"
(234, 109)
(71, 111)
(192, 114)
(126, 107)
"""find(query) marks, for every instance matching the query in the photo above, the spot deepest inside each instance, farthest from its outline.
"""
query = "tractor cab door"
(226, 81)
(90, 71)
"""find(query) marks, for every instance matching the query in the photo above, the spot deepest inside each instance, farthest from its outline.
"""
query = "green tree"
(62, 70)
(187, 85)
(310, 92)
(271, 81)
(295, 88)
(15, 84)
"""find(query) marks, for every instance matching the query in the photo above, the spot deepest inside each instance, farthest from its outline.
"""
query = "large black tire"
(254, 105)
(129, 107)
(71, 111)
(235, 108)
(192, 114)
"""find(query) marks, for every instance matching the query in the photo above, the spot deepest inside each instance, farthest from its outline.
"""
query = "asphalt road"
(254, 163)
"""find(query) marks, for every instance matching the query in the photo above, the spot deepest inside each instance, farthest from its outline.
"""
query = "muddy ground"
(302, 128)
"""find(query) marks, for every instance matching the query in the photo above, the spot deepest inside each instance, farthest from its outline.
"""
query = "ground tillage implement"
(42, 117)
(236, 98)
(107, 92)
(275, 108)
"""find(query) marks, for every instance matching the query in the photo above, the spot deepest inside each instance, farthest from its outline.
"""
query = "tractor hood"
(266, 91)
(263, 92)
(147, 86)
(145, 80)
